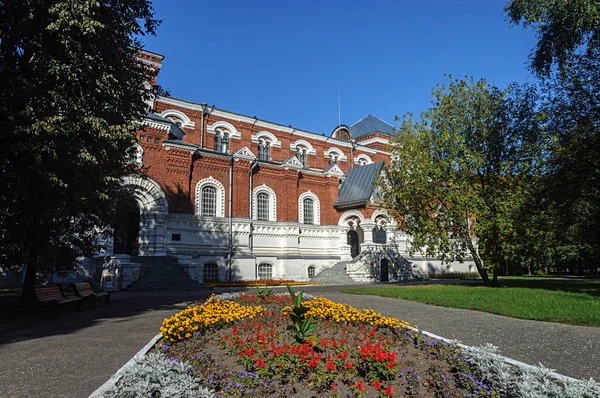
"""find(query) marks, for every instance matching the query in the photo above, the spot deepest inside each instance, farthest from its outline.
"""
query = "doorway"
(127, 228)
(353, 242)
(384, 277)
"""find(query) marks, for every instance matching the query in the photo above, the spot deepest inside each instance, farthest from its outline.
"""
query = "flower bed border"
(114, 378)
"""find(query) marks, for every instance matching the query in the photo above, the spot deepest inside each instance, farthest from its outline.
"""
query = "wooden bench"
(52, 295)
(85, 290)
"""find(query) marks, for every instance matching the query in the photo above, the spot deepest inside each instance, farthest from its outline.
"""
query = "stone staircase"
(161, 273)
(335, 275)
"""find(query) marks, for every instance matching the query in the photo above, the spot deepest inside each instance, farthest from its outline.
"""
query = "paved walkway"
(73, 355)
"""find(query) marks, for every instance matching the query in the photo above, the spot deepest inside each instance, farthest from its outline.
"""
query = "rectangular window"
(309, 214)
(262, 206)
(265, 271)
(156, 140)
(175, 236)
(209, 201)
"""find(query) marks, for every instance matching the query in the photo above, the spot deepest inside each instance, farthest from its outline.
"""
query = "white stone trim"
(350, 213)
(270, 136)
(374, 140)
(137, 155)
(337, 151)
(335, 171)
(316, 209)
(233, 133)
(309, 148)
(364, 157)
(264, 124)
(272, 202)
(187, 122)
(292, 162)
(382, 213)
(148, 193)
(244, 153)
(210, 181)
(156, 124)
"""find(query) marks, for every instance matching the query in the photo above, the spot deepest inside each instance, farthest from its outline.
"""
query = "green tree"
(462, 171)
(563, 27)
(71, 89)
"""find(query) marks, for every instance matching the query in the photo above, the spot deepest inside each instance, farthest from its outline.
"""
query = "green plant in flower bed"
(258, 357)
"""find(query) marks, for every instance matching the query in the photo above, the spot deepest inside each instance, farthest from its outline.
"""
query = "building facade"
(234, 197)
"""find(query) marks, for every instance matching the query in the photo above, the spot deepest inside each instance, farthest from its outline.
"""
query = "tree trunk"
(478, 263)
(30, 277)
(495, 278)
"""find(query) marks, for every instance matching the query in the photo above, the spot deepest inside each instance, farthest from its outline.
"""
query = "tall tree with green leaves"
(564, 29)
(460, 173)
(71, 93)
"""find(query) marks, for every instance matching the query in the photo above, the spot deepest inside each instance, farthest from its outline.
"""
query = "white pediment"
(334, 170)
(244, 153)
(293, 162)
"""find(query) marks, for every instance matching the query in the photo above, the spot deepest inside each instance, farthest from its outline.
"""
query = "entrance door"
(353, 242)
(127, 228)
(384, 270)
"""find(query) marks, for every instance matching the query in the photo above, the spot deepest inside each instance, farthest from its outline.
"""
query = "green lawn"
(576, 302)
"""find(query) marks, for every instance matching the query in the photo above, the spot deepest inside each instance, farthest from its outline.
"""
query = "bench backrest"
(84, 289)
(46, 293)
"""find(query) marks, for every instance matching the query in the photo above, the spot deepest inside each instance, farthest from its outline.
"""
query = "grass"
(562, 300)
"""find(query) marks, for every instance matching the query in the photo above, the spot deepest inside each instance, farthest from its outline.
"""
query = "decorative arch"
(350, 214)
(223, 125)
(136, 155)
(267, 135)
(185, 120)
(309, 148)
(272, 202)
(363, 159)
(220, 202)
(337, 152)
(148, 193)
(316, 209)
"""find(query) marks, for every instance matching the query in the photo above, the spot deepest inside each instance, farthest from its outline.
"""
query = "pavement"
(75, 353)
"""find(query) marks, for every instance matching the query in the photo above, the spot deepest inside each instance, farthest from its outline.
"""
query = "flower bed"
(269, 282)
(238, 345)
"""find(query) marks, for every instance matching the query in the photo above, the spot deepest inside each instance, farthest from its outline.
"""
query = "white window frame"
(258, 271)
(272, 202)
(362, 159)
(220, 202)
(316, 207)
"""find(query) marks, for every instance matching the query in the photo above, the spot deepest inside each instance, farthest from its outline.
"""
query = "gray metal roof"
(371, 124)
(175, 129)
(358, 185)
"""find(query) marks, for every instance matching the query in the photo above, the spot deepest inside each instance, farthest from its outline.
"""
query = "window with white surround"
(265, 271)
(210, 272)
(309, 208)
(362, 159)
(210, 198)
(222, 141)
(264, 204)
(264, 149)
(302, 155)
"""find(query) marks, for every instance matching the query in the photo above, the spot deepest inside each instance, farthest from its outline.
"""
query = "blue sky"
(284, 61)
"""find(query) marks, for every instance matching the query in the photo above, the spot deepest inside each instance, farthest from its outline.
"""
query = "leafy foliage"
(563, 28)
(157, 376)
(464, 169)
(303, 328)
(71, 89)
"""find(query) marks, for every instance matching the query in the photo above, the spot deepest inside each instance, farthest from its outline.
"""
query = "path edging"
(114, 378)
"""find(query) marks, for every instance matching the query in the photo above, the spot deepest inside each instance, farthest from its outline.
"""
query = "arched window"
(362, 160)
(333, 158)
(210, 272)
(262, 206)
(302, 155)
(311, 271)
(209, 201)
(265, 271)
(264, 149)
(309, 211)
(222, 142)
(309, 208)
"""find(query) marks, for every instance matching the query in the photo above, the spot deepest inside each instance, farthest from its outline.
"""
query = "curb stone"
(99, 393)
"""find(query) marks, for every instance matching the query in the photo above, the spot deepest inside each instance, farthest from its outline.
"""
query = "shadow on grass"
(565, 284)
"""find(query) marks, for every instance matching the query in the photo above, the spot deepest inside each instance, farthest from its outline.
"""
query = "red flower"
(330, 365)
(313, 362)
(376, 385)
(389, 391)
(324, 343)
(333, 386)
(349, 366)
(260, 363)
(360, 386)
